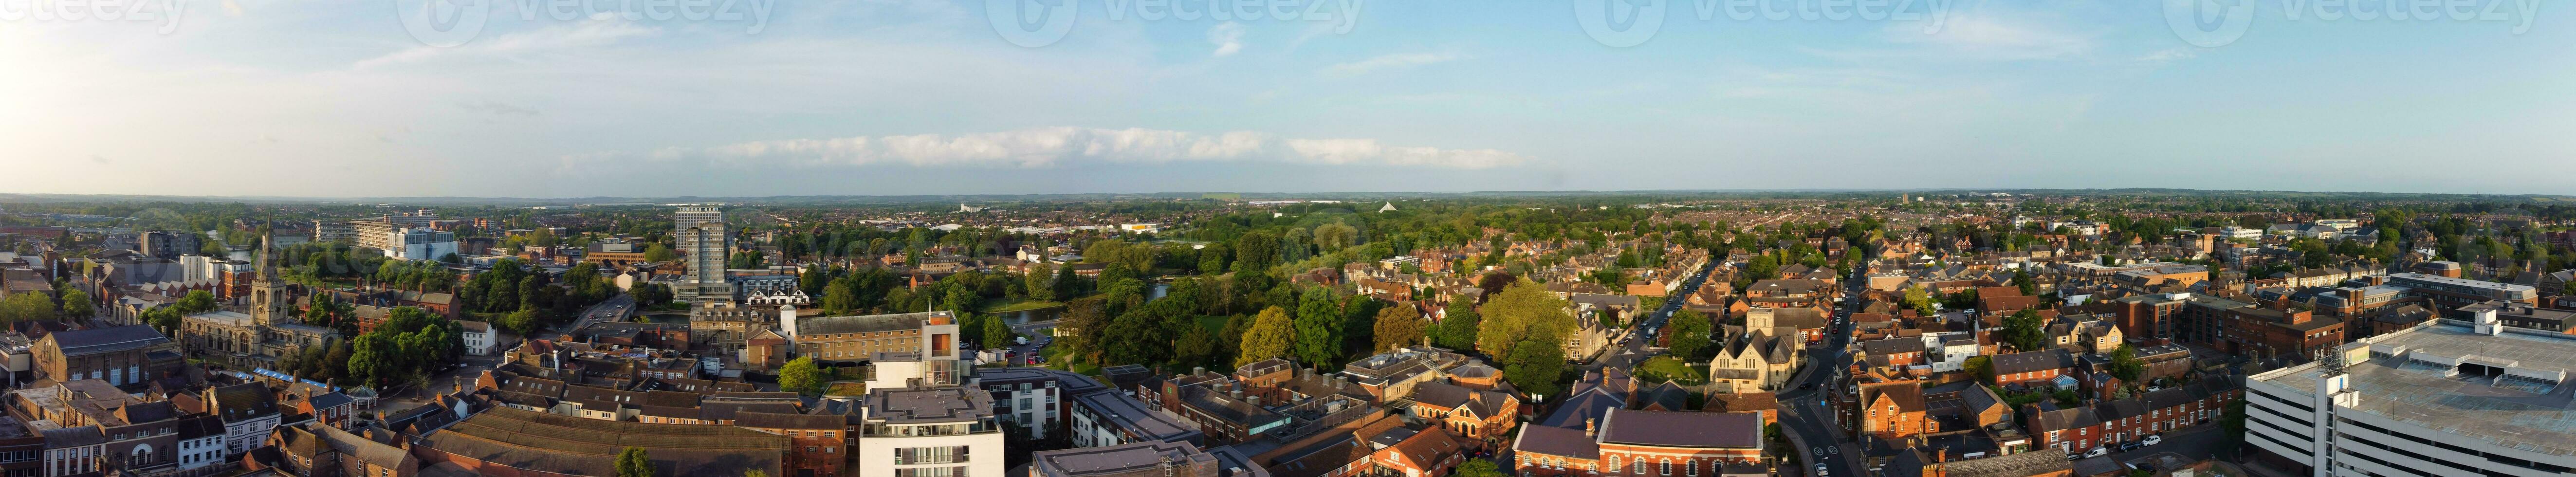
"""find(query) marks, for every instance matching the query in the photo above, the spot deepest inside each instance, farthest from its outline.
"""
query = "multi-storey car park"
(2447, 397)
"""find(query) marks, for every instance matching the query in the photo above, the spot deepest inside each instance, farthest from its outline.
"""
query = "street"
(1641, 333)
(1806, 420)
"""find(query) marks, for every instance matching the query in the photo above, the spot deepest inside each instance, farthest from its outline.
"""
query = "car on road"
(2130, 446)
(1820, 470)
(2151, 440)
(2098, 452)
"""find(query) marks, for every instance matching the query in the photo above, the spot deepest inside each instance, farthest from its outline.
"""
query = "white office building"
(420, 244)
(2445, 398)
(947, 431)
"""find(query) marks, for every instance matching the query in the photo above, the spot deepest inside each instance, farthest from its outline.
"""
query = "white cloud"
(2169, 55)
(600, 29)
(1399, 60)
(1228, 38)
(1994, 36)
(1055, 147)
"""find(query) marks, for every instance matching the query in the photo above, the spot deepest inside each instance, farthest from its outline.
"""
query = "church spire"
(267, 267)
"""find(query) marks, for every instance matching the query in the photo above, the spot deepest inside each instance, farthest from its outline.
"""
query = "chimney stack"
(1589, 428)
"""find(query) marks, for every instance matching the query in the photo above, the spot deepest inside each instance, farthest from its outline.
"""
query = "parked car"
(2130, 446)
(2098, 452)
(2151, 440)
(1820, 470)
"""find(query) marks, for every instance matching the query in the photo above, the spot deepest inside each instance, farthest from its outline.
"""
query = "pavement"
(2197, 443)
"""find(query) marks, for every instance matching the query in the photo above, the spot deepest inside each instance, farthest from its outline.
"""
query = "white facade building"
(477, 337)
(2444, 398)
(930, 432)
(1949, 352)
(419, 244)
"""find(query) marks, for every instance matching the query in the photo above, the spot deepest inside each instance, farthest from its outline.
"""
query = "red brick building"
(1624, 443)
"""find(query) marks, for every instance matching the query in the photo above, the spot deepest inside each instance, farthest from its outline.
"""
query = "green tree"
(2021, 278)
(1458, 326)
(1271, 336)
(1039, 283)
(198, 301)
(659, 253)
(1197, 347)
(1255, 252)
(801, 375)
(2126, 365)
(1690, 334)
(1535, 366)
(996, 332)
(77, 305)
(1319, 328)
(2025, 331)
(1983, 367)
(1920, 300)
(1333, 236)
(842, 296)
(1524, 311)
(26, 307)
(635, 462)
(1397, 327)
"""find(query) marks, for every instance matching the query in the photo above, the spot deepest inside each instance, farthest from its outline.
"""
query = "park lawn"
(1009, 305)
(1056, 360)
(1667, 368)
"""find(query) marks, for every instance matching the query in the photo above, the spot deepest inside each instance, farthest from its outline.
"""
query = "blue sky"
(255, 97)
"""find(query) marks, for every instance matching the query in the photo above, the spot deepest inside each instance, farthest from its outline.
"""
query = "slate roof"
(1682, 429)
(865, 324)
(774, 420)
(244, 401)
(2033, 361)
(102, 340)
(1570, 443)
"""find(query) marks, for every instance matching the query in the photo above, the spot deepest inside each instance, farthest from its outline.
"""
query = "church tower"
(268, 300)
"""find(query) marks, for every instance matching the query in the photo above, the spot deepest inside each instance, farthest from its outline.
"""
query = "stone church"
(259, 337)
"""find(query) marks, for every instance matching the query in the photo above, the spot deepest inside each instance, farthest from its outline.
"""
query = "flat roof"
(2460, 282)
(2472, 406)
(929, 406)
(1117, 459)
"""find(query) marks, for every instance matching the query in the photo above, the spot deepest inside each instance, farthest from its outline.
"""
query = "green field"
(1667, 368)
(1018, 304)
